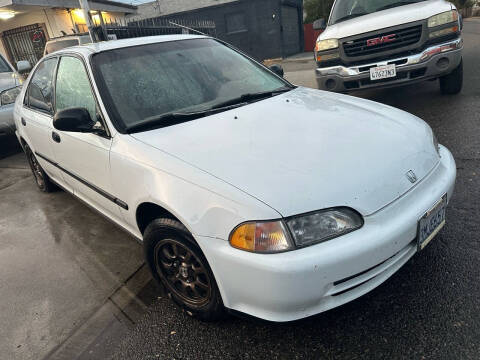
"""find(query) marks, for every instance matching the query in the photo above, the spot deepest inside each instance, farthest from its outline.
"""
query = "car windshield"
(349, 9)
(155, 81)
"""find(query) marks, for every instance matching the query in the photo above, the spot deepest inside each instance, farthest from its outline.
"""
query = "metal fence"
(123, 29)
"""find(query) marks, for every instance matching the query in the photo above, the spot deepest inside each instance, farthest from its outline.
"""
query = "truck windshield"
(349, 9)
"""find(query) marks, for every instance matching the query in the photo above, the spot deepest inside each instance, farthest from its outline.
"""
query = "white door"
(37, 116)
(83, 157)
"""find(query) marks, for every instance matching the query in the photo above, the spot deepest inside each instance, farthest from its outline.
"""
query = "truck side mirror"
(319, 24)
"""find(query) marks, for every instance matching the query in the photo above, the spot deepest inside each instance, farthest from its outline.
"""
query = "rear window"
(58, 45)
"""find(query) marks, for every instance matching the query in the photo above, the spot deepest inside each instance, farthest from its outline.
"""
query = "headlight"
(9, 96)
(323, 225)
(323, 45)
(443, 18)
(262, 237)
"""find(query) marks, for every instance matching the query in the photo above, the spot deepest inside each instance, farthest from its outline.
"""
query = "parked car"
(248, 193)
(370, 44)
(10, 87)
(63, 42)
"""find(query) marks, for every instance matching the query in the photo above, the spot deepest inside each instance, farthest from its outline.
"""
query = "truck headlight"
(328, 44)
(443, 18)
(9, 96)
(323, 225)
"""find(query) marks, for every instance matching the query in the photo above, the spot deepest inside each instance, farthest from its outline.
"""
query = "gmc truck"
(383, 43)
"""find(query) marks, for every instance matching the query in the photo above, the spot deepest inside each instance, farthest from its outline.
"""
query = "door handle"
(24, 123)
(56, 137)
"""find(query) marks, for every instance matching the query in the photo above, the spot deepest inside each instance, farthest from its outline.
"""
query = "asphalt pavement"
(430, 309)
(73, 286)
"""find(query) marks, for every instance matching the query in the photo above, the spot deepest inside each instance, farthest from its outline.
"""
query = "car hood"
(307, 150)
(387, 18)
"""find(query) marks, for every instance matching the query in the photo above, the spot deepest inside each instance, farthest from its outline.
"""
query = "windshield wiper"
(246, 98)
(164, 120)
(173, 118)
(351, 16)
(399, 3)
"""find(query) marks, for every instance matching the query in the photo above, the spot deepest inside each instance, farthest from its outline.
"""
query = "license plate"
(431, 223)
(383, 72)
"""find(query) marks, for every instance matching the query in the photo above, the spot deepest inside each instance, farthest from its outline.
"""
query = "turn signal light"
(262, 237)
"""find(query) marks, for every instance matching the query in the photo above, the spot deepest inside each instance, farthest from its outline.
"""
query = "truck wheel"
(177, 263)
(41, 178)
(452, 83)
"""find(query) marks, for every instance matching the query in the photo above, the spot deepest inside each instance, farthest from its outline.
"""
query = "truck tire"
(452, 83)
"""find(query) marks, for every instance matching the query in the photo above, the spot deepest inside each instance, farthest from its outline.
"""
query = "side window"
(40, 89)
(73, 87)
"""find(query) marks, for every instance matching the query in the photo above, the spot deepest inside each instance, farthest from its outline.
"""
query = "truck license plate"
(383, 72)
(431, 223)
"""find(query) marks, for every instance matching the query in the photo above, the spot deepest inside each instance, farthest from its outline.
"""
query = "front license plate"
(383, 72)
(431, 223)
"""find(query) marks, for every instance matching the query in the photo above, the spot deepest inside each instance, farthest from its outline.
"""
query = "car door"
(37, 116)
(83, 157)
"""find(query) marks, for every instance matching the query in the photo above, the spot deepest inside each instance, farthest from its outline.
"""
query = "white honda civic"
(249, 194)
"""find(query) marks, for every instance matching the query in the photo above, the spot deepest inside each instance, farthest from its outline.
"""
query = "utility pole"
(86, 12)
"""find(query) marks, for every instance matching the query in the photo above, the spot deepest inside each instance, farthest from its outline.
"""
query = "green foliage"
(317, 9)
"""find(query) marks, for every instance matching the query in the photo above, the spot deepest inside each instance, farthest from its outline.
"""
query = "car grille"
(402, 38)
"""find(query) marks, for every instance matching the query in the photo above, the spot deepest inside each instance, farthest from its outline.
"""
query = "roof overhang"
(103, 5)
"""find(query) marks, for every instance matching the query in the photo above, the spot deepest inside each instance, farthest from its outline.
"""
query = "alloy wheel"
(183, 272)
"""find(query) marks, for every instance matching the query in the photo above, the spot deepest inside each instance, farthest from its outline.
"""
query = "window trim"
(102, 120)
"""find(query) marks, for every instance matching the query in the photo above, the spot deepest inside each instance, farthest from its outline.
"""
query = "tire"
(452, 83)
(42, 180)
(178, 264)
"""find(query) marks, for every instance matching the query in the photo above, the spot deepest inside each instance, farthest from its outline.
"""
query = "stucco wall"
(165, 7)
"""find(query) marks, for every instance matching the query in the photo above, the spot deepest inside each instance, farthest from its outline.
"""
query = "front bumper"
(304, 282)
(7, 124)
(433, 62)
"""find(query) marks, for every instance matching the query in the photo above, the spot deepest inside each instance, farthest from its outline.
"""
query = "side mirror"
(319, 24)
(74, 120)
(23, 66)
(277, 69)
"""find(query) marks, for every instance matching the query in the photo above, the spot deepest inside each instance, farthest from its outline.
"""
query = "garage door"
(291, 30)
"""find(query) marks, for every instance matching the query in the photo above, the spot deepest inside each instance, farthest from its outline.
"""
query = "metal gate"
(290, 30)
(25, 43)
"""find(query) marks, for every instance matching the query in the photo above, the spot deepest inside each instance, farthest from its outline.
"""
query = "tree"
(317, 9)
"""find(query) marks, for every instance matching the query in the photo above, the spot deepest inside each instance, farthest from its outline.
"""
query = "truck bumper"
(433, 62)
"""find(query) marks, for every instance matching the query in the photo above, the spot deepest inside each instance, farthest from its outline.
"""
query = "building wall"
(262, 33)
(55, 20)
(166, 7)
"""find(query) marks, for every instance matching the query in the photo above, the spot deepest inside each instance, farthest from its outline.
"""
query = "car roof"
(123, 43)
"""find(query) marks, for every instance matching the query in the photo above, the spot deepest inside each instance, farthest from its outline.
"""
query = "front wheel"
(452, 83)
(177, 263)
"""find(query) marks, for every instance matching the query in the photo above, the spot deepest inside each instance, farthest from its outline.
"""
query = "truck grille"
(395, 39)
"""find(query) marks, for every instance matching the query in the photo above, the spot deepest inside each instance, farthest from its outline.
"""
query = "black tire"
(41, 178)
(177, 263)
(452, 83)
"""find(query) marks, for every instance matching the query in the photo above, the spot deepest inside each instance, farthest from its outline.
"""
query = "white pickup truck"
(380, 43)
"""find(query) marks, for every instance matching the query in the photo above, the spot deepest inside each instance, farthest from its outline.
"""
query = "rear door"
(83, 157)
(37, 116)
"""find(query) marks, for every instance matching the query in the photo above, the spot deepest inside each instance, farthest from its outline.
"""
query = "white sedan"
(250, 194)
